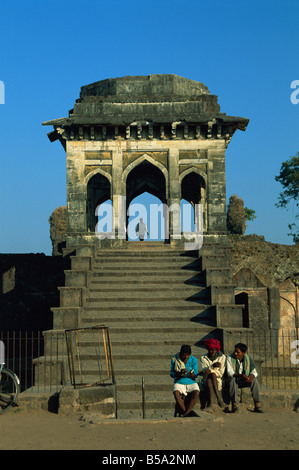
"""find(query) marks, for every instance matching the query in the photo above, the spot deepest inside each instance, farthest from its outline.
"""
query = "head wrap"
(212, 343)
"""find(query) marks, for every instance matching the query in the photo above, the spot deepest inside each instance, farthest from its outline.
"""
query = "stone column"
(76, 189)
(216, 190)
(118, 195)
(174, 195)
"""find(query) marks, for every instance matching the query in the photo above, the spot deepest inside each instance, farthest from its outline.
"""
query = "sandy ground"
(42, 430)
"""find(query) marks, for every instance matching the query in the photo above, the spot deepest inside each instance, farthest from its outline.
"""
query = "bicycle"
(9, 388)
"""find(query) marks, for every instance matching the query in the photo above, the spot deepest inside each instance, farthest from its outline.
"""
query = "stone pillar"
(174, 195)
(118, 194)
(76, 189)
(216, 190)
(274, 316)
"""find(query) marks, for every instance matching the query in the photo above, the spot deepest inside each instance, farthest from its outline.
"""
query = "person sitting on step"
(213, 367)
(241, 372)
(184, 370)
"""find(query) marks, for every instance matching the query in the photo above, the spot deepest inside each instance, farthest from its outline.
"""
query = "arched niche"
(193, 190)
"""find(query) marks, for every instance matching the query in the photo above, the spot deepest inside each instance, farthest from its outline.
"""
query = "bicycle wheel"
(9, 389)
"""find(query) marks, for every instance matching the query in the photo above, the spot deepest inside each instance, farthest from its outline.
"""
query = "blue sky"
(246, 52)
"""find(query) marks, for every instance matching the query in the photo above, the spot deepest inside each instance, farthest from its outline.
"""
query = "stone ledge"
(81, 400)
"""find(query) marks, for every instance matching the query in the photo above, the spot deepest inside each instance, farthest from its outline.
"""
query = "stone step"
(153, 278)
(191, 316)
(98, 287)
(136, 354)
(148, 251)
(157, 330)
(146, 295)
(145, 305)
(179, 300)
(149, 317)
(102, 281)
(145, 264)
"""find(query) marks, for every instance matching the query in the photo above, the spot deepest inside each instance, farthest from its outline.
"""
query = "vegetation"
(289, 179)
(237, 215)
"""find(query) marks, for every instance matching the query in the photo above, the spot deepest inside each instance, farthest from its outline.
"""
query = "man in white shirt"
(141, 229)
(241, 373)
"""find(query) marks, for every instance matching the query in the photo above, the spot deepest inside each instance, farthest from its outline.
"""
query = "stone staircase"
(153, 299)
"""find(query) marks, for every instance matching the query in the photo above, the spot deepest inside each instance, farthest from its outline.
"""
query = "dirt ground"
(41, 430)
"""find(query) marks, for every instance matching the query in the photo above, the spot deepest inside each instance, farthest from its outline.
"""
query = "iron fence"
(83, 357)
(45, 362)
(276, 356)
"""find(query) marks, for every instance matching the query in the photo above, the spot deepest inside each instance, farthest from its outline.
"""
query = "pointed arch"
(96, 171)
(146, 158)
(193, 169)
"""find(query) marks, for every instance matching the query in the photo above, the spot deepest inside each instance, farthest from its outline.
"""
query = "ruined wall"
(28, 290)
(269, 274)
(58, 221)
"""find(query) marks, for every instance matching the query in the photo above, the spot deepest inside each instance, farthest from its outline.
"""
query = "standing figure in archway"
(141, 229)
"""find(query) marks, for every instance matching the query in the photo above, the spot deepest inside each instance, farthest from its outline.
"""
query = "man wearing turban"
(213, 367)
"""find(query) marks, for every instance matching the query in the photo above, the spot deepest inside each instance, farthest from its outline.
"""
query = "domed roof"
(159, 98)
(166, 85)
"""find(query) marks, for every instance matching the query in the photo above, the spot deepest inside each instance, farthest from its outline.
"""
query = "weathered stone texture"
(171, 123)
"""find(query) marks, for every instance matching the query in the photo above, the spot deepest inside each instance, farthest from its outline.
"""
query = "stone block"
(223, 294)
(214, 261)
(217, 276)
(71, 296)
(66, 317)
(232, 336)
(81, 263)
(75, 278)
(100, 398)
(230, 316)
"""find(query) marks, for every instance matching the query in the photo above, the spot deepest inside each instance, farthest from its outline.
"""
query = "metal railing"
(45, 362)
(276, 357)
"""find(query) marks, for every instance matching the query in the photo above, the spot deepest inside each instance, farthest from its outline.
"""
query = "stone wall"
(271, 262)
(29, 285)
(58, 221)
(268, 274)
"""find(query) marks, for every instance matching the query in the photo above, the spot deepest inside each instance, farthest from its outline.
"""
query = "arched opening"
(146, 199)
(98, 193)
(242, 299)
(151, 210)
(192, 195)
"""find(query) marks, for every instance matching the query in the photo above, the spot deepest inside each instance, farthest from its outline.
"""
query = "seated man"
(184, 369)
(241, 373)
(213, 367)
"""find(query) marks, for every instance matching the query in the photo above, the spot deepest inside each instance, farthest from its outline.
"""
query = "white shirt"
(230, 370)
